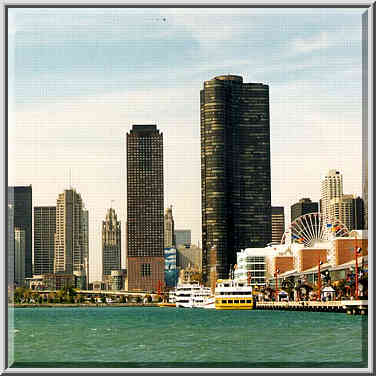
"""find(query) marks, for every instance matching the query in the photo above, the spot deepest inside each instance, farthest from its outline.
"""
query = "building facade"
(331, 187)
(10, 252)
(22, 209)
(169, 229)
(69, 249)
(145, 219)
(304, 206)
(85, 241)
(341, 208)
(44, 239)
(253, 264)
(111, 244)
(182, 237)
(358, 214)
(235, 171)
(278, 223)
(19, 256)
(171, 270)
(189, 255)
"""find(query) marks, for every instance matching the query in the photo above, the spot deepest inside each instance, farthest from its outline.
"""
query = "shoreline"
(79, 305)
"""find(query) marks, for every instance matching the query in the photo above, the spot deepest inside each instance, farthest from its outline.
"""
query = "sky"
(79, 78)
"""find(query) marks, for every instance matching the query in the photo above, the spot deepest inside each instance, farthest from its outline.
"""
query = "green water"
(172, 337)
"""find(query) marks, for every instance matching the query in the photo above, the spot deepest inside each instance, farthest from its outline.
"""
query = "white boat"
(209, 302)
(191, 295)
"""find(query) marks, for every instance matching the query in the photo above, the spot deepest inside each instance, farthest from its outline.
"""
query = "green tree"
(19, 294)
(60, 296)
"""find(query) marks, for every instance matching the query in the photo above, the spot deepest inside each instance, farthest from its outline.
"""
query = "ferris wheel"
(310, 229)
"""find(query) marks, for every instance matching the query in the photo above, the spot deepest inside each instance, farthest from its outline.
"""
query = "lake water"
(172, 337)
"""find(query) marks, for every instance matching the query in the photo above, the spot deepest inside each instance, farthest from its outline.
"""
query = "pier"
(351, 307)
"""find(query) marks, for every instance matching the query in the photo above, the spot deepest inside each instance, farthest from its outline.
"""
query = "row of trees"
(67, 295)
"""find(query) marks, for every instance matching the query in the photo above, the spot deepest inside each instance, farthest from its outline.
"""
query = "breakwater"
(351, 307)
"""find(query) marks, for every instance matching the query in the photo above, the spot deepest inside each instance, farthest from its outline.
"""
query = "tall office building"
(145, 208)
(44, 239)
(169, 234)
(111, 244)
(278, 223)
(235, 171)
(331, 187)
(22, 210)
(182, 237)
(358, 214)
(304, 206)
(19, 256)
(69, 235)
(85, 242)
(10, 252)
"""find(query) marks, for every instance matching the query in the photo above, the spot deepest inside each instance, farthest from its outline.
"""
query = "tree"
(19, 294)
(51, 297)
(60, 296)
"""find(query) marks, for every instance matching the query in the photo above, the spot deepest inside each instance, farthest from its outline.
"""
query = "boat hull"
(233, 307)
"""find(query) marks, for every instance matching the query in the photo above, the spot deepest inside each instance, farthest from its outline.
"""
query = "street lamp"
(277, 271)
(357, 251)
(319, 279)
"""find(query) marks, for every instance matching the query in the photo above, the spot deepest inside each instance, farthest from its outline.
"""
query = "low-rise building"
(253, 263)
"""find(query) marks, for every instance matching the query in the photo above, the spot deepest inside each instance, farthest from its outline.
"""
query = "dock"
(351, 307)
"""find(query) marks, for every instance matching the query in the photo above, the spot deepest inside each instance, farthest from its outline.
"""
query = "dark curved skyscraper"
(235, 171)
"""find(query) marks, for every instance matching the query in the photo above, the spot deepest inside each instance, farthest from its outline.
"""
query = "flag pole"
(319, 280)
(356, 268)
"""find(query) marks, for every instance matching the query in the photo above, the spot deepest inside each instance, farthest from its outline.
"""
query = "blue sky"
(79, 78)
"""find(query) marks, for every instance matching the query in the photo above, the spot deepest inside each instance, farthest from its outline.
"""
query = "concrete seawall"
(351, 307)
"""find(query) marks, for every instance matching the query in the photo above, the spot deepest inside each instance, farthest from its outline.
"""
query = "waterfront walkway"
(351, 307)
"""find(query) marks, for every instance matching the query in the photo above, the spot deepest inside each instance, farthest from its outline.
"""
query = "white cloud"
(325, 40)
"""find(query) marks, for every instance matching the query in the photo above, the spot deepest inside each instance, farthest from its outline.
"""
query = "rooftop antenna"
(70, 178)
(112, 202)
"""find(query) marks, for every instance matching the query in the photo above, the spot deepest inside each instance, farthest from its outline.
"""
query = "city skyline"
(73, 113)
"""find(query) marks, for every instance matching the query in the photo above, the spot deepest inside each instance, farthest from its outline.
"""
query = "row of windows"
(233, 301)
(145, 270)
(235, 293)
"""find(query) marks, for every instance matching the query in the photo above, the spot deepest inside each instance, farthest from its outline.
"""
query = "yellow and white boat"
(233, 294)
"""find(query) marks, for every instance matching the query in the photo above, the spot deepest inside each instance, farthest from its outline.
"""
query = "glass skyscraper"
(22, 209)
(235, 171)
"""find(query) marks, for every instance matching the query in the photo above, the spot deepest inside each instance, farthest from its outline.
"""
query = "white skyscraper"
(331, 187)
